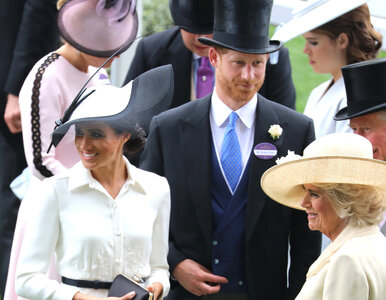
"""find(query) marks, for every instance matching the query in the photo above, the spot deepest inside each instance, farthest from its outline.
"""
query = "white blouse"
(94, 236)
(322, 106)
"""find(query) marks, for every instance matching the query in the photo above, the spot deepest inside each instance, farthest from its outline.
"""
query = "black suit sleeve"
(305, 244)
(38, 35)
(278, 85)
(138, 64)
(152, 160)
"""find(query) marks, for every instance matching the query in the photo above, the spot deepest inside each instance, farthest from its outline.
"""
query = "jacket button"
(216, 261)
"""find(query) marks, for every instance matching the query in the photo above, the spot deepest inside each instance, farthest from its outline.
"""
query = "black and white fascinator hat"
(124, 108)
(99, 27)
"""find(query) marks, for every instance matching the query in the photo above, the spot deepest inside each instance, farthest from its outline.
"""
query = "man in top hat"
(228, 240)
(179, 46)
(366, 105)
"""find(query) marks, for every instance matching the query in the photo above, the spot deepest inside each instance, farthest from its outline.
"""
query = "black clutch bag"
(122, 285)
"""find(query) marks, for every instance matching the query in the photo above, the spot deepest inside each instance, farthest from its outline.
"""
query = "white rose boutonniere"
(275, 131)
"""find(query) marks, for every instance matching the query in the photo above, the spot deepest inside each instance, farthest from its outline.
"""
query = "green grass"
(305, 79)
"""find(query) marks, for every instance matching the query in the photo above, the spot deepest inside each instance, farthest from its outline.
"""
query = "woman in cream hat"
(337, 33)
(342, 190)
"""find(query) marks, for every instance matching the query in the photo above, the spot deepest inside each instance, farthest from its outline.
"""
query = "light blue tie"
(231, 153)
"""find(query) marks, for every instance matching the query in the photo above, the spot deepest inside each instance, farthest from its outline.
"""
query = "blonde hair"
(359, 204)
(60, 3)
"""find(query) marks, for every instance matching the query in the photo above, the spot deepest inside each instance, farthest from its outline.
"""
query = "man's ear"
(214, 57)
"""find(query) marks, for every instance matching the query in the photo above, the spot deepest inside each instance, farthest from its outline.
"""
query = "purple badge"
(265, 150)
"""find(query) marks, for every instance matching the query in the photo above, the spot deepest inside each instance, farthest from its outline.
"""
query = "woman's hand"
(128, 296)
(157, 289)
(81, 296)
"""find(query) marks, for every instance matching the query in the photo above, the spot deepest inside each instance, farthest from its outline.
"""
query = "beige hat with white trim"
(313, 14)
(334, 158)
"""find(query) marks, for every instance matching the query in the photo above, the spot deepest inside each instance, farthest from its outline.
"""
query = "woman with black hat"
(92, 31)
(102, 217)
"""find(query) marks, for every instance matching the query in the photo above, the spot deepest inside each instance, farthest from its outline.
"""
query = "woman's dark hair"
(136, 142)
(364, 40)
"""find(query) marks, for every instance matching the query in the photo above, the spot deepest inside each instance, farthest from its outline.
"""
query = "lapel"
(196, 137)
(233, 209)
(265, 117)
(176, 54)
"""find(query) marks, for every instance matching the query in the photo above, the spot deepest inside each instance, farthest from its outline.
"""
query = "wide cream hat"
(334, 158)
(313, 14)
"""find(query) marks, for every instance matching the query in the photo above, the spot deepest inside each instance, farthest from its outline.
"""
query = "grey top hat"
(243, 26)
(365, 88)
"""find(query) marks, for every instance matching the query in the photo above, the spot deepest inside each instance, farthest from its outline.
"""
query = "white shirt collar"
(196, 56)
(221, 111)
(80, 176)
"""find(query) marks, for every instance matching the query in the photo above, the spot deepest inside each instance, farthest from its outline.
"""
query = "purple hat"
(98, 27)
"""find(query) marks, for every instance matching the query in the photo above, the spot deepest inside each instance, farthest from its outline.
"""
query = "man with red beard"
(228, 240)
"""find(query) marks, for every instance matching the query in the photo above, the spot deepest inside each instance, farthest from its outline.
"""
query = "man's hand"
(196, 279)
(12, 114)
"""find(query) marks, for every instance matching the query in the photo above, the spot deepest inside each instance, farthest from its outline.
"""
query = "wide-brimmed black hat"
(243, 26)
(124, 108)
(195, 16)
(365, 88)
(99, 27)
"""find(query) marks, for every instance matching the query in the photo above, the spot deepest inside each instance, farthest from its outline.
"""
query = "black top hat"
(195, 16)
(365, 88)
(243, 26)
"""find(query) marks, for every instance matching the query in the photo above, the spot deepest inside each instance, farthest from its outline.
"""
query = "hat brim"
(313, 16)
(284, 183)
(196, 29)
(134, 104)
(343, 114)
(80, 25)
(273, 46)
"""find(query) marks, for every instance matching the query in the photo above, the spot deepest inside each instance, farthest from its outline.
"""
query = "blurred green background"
(156, 15)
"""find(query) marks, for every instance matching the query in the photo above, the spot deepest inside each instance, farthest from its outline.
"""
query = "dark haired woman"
(345, 40)
(103, 216)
